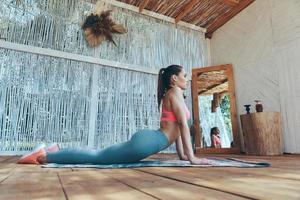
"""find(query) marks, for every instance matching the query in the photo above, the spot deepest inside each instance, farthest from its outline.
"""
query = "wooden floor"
(281, 181)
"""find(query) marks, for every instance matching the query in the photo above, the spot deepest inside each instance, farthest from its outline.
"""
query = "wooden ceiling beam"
(143, 5)
(231, 2)
(213, 86)
(206, 93)
(186, 10)
(226, 17)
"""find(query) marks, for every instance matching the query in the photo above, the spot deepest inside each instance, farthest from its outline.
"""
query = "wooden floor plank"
(283, 162)
(167, 189)
(281, 181)
(3, 159)
(38, 168)
(9, 165)
(96, 185)
(291, 174)
(288, 164)
(283, 166)
(251, 185)
(32, 186)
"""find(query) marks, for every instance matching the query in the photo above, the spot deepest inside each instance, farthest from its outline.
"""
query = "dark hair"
(213, 129)
(164, 80)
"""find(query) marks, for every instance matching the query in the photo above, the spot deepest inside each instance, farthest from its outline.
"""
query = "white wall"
(263, 44)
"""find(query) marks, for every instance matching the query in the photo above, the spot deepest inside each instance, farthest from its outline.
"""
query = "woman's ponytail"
(160, 86)
(164, 80)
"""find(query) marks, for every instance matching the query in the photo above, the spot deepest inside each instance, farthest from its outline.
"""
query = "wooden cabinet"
(262, 133)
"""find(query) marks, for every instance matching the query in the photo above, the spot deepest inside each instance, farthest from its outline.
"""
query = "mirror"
(214, 110)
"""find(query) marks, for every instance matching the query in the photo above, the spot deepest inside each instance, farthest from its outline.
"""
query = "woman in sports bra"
(174, 112)
(173, 128)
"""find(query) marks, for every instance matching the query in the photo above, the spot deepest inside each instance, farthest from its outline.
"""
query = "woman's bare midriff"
(171, 130)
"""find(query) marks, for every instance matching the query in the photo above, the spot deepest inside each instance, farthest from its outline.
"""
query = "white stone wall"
(263, 44)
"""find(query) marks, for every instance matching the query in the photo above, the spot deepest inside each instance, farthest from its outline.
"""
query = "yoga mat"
(227, 162)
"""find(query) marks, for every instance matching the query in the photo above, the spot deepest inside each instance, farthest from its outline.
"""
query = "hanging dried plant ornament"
(100, 27)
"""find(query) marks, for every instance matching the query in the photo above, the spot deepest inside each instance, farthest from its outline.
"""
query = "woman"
(173, 128)
(215, 137)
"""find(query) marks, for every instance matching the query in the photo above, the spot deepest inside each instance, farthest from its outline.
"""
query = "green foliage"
(225, 110)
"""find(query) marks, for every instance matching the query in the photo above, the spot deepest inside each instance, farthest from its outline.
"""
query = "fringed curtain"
(48, 99)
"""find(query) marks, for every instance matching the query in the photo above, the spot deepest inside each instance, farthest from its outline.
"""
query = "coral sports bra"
(169, 116)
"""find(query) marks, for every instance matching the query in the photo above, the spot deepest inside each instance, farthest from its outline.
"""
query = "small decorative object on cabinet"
(247, 108)
(258, 106)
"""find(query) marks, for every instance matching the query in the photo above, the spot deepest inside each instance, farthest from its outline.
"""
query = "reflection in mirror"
(214, 110)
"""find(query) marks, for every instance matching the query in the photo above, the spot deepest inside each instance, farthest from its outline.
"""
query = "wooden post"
(262, 133)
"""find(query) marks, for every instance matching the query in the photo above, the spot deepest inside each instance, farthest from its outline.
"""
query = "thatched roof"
(212, 82)
(209, 14)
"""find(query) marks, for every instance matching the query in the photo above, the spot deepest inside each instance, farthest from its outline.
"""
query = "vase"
(258, 106)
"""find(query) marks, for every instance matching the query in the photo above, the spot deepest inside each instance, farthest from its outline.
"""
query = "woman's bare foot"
(32, 157)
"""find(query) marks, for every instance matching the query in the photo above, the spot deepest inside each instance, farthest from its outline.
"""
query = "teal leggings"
(141, 145)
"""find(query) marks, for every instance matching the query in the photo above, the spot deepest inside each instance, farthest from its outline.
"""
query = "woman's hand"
(200, 161)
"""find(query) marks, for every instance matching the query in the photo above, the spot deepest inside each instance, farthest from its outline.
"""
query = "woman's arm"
(177, 103)
(179, 149)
